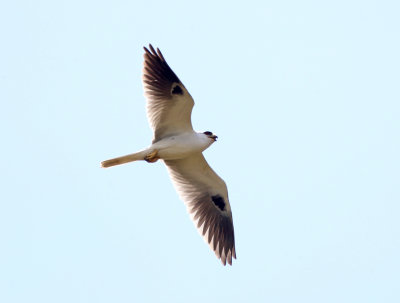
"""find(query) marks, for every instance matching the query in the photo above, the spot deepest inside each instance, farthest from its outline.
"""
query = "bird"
(169, 108)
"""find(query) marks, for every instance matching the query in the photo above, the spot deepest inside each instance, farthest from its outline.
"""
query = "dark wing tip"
(152, 52)
(158, 77)
(216, 226)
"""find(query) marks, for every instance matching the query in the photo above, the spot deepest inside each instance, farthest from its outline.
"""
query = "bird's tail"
(124, 159)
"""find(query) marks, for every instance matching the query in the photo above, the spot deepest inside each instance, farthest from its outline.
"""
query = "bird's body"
(182, 145)
(169, 148)
(175, 142)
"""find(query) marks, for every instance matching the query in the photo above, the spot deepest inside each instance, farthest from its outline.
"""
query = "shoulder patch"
(177, 90)
(218, 202)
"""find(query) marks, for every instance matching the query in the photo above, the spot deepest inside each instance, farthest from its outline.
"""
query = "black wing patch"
(158, 77)
(218, 202)
(177, 90)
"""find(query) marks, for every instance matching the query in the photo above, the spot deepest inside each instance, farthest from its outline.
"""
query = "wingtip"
(154, 52)
(227, 257)
(149, 49)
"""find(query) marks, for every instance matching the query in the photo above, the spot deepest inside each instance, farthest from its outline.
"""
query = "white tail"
(124, 159)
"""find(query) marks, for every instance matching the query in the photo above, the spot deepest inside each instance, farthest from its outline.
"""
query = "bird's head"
(211, 135)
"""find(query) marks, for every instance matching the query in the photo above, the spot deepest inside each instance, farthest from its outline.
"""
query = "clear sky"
(304, 96)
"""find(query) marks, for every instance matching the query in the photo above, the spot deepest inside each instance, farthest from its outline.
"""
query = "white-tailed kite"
(169, 108)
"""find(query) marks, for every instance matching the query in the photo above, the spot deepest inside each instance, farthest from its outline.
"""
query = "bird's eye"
(208, 133)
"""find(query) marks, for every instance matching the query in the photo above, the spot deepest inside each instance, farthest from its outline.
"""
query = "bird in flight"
(169, 109)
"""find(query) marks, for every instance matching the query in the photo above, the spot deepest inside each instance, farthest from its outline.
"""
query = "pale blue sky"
(304, 96)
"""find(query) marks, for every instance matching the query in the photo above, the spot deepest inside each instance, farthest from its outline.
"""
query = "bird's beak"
(214, 137)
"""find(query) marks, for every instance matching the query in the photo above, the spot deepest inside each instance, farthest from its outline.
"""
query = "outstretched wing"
(169, 104)
(206, 197)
